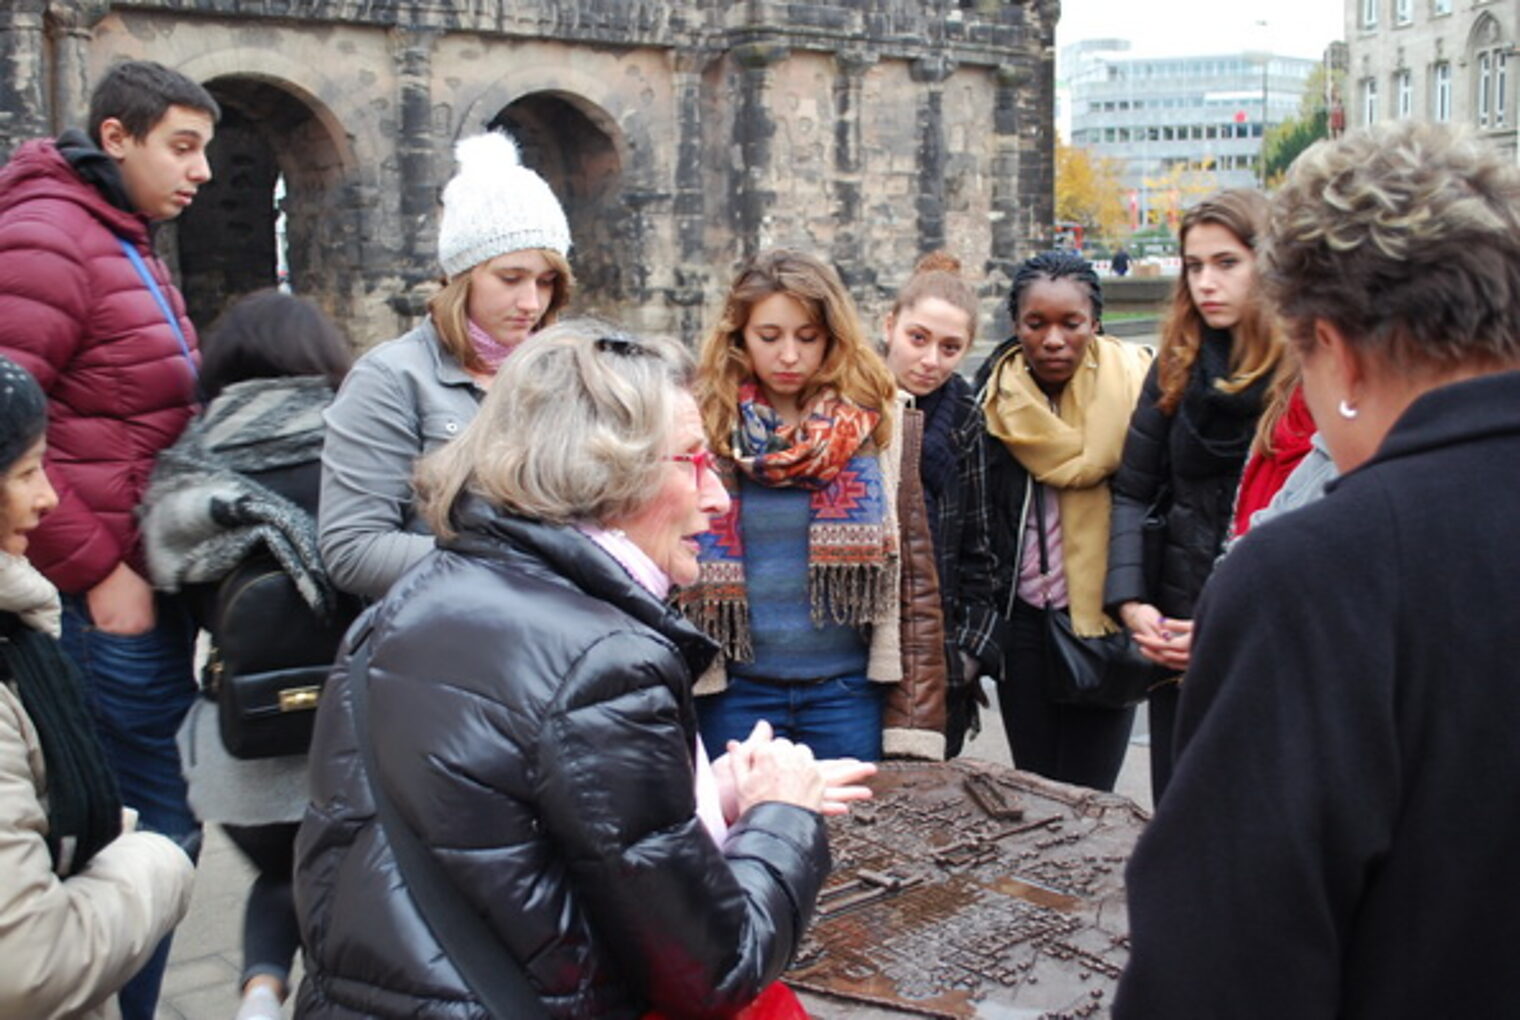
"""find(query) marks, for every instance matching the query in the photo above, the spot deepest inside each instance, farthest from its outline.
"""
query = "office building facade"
(1437, 60)
(1195, 122)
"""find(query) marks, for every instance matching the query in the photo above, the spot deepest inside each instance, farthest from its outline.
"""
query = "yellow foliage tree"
(1178, 188)
(1088, 192)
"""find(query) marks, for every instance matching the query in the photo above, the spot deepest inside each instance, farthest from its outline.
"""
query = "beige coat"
(69, 944)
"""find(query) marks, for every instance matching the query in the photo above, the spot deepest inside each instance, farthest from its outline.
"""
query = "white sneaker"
(259, 1003)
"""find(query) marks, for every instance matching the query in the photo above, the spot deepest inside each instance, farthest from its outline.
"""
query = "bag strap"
(487, 966)
(163, 303)
(1039, 524)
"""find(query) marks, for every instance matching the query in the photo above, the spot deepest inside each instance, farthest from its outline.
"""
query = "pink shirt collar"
(632, 559)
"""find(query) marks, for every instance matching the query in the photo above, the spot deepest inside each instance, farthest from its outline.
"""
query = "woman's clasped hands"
(765, 767)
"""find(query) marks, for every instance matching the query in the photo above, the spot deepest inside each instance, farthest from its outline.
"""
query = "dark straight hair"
(139, 92)
(271, 335)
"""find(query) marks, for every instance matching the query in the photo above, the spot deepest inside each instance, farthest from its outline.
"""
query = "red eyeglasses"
(702, 460)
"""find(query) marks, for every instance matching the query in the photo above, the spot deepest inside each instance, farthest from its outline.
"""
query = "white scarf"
(25, 592)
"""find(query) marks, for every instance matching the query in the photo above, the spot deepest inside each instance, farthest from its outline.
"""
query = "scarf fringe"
(852, 594)
(726, 621)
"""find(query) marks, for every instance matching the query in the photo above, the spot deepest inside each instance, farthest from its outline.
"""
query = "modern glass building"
(1175, 122)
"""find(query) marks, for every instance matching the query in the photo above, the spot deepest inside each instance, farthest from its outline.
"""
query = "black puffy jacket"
(531, 705)
(1198, 452)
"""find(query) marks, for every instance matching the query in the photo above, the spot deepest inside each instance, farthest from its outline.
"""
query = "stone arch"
(581, 162)
(271, 130)
(597, 157)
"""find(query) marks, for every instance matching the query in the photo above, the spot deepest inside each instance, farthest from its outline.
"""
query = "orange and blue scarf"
(852, 548)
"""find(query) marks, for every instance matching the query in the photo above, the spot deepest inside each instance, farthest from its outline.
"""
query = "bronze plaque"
(969, 889)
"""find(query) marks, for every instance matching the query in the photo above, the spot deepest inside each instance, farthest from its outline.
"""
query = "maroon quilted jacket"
(74, 313)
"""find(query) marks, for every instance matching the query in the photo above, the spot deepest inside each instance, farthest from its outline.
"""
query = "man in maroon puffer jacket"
(116, 357)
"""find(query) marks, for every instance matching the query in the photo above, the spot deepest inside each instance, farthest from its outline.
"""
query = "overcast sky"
(1300, 28)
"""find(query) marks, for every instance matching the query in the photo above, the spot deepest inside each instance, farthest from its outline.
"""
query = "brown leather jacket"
(913, 723)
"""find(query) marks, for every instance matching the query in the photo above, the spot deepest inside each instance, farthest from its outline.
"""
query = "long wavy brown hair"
(1256, 341)
(850, 367)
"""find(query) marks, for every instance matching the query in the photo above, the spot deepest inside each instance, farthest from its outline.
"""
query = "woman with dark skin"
(1058, 397)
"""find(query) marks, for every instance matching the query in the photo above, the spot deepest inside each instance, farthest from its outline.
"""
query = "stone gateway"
(680, 136)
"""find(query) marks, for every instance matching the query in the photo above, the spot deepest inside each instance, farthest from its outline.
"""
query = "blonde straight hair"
(450, 309)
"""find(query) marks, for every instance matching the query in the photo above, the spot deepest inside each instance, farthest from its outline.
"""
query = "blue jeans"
(140, 687)
(837, 718)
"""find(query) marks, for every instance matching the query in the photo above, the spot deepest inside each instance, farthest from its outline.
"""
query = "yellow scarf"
(1074, 451)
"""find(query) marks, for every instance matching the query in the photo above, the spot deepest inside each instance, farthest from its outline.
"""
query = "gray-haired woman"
(531, 689)
(1340, 837)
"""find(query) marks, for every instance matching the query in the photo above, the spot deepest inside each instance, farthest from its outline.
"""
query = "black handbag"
(269, 659)
(1096, 672)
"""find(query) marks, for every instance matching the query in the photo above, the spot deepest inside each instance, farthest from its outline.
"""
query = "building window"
(1485, 87)
(1501, 86)
(1369, 101)
(1403, 90)
(1441, 92)
(1403, 12)
(1439, 7)
(1369, 13)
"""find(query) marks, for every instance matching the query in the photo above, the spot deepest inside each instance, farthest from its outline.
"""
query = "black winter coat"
(1196, 456)
(533, 712)
(1339, 838)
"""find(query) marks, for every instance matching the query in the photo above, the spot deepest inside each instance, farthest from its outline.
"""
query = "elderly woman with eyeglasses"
(529, 693)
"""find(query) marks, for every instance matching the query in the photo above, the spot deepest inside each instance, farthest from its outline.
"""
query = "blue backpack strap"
(163, 302)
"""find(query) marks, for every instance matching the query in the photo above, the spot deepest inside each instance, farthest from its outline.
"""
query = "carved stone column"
(931, 72)
(24, 108)
(1006, 234)
(690, 276)
(849, 249)
(70, 25)
(754, 128)
(417, 159)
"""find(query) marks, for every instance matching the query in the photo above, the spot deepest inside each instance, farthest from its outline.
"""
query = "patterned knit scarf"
(851, 545)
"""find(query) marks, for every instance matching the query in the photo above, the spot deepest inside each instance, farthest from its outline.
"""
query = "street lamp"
(1261, 150)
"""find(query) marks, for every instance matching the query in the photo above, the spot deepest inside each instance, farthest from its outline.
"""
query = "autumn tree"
(1179, 187)
(1284, 142)
(1088, 192)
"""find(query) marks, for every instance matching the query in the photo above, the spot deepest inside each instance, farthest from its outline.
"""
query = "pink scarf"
(491, 351)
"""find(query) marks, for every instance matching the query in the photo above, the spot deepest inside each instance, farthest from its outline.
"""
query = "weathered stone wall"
(680, 136)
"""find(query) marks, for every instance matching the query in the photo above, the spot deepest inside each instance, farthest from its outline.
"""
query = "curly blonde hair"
(1256, 342)
(1407, 238)
(850, 367)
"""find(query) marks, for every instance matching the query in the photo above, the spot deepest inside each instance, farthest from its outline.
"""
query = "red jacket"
(74, 313)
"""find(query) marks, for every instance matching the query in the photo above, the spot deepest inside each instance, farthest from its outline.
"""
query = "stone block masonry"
(680, 137)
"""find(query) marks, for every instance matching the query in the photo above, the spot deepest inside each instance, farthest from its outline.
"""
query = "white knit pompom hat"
(494, 205)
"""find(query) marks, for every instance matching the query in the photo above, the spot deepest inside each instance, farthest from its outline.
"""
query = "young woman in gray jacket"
(502, 245)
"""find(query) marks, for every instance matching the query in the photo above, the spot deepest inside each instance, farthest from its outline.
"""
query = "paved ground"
(203, 969)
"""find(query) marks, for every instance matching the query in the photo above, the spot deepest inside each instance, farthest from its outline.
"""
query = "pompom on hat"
(495, 205)
(23, 412)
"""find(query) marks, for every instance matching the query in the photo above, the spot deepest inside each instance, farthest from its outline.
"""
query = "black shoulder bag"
(1097, 672)
(487, 966)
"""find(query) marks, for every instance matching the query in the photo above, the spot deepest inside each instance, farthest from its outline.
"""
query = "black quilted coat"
(532, 709)
(1195, 454)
